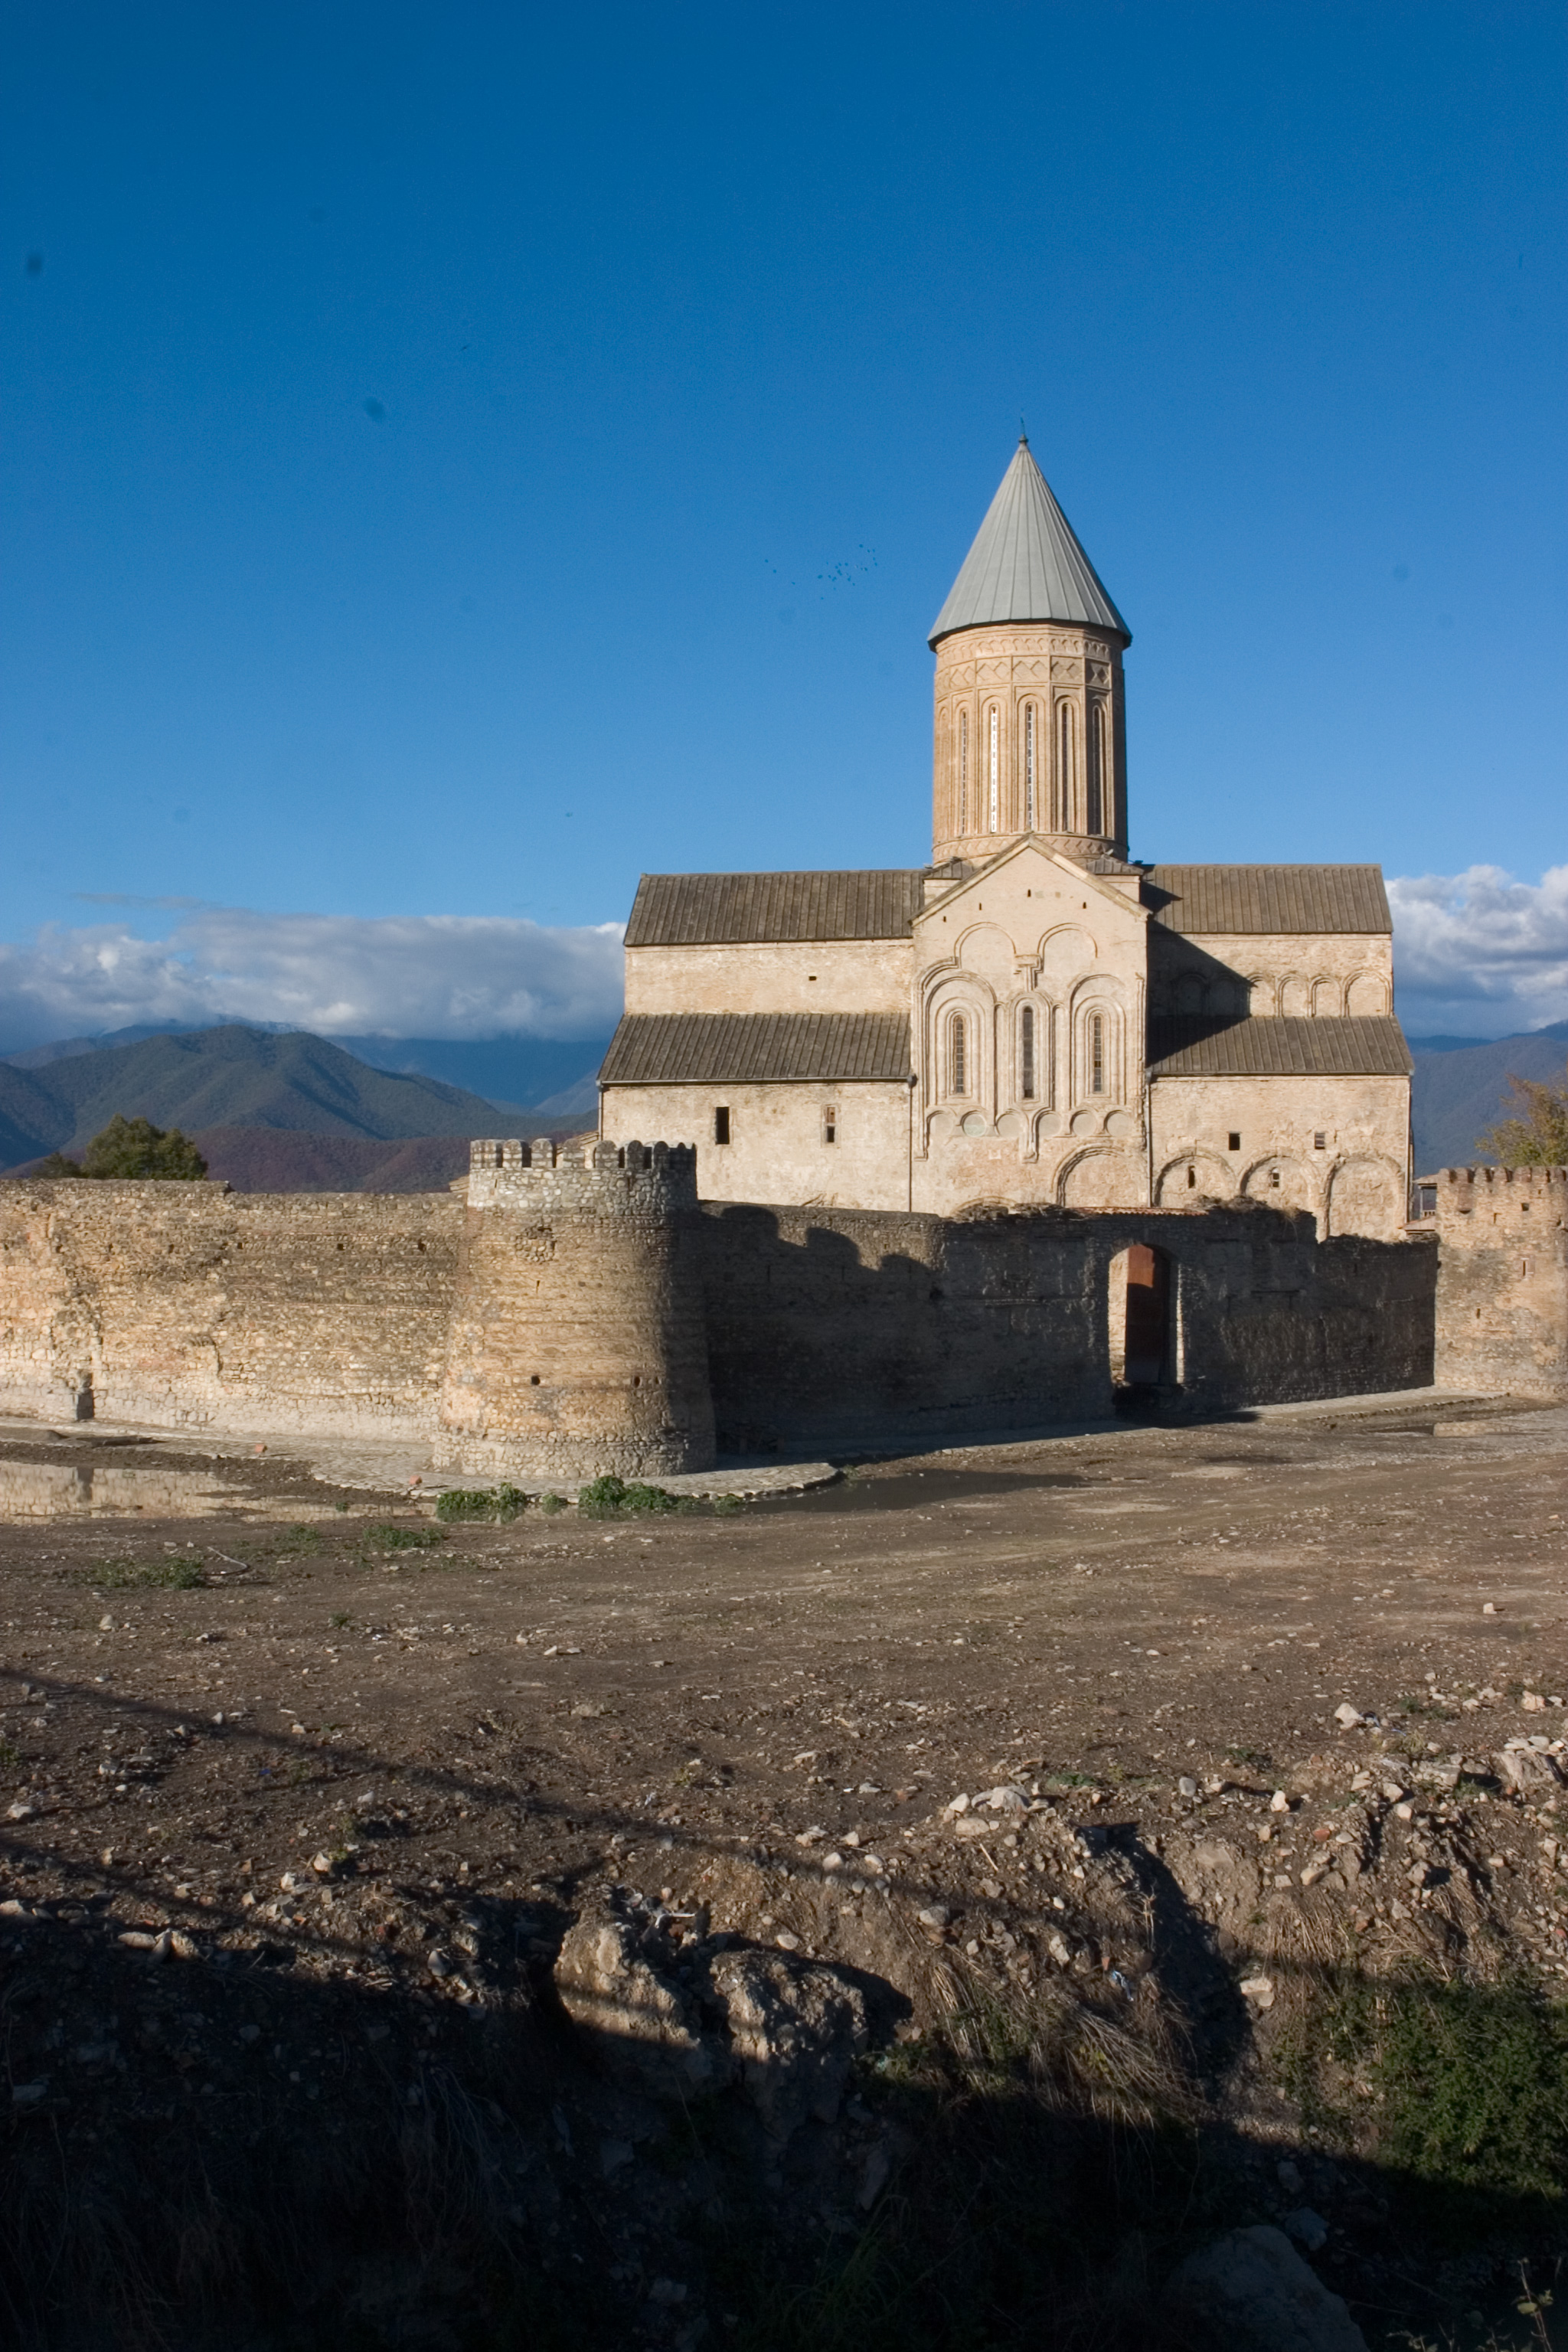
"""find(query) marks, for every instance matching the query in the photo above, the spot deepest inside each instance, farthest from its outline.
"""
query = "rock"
(935, 1915)
(1289, 2175)
(1187, 1785)
(1278, 1803)
(874, 2179)
(614, 2154)
(1348, 1716)
(1527, 1769)
(647, 2029)
(1258, 1991)
(972, 1825)
(795, 2031)
(1309, 2230)
(1255, 2294)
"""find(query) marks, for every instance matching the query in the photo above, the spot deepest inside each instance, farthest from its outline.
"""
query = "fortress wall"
(1502, 1291)
(838, 1329)
(188, 1303)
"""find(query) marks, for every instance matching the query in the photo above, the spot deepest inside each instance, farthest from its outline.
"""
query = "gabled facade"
(1034, 1018)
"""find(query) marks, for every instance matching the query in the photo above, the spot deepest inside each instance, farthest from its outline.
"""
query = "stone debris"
(794, 2031)
(647, 2029)
(1254, 2291)
(673, 2020)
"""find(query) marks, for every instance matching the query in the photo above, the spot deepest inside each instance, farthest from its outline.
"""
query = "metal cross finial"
(1023, 435)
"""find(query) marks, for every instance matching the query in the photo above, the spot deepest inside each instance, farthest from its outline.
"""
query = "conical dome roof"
(1026, 563)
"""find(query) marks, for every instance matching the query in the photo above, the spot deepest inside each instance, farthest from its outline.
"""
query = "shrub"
(181, 1574)
(387, 1537)
(502, 1503)
(609, 1497)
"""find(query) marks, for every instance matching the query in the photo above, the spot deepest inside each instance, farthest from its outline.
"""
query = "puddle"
(95, 1490)
(919, 1490)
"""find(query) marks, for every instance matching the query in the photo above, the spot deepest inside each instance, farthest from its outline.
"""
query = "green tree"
(133, 1147)
(1537, 1134)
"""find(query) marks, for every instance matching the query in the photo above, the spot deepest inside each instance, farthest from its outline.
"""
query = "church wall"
(835, 1330)
(1357, 1182)
(831, 976)
(189, 1304)
(1332, 973)
(778, 1148)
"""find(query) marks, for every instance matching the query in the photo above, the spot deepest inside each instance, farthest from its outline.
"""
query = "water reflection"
(67, 1490)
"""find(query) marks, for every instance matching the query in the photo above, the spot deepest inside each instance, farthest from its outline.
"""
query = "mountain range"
(282, 1110)
(231, 1077)
(1460, 1086)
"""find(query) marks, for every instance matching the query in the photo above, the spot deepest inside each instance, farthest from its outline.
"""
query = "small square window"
(1234, 1140)
(721, 1123)
(1321, 1140)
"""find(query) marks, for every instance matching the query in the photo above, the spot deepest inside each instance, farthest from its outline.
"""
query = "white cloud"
(1479, 954)
(450, 976)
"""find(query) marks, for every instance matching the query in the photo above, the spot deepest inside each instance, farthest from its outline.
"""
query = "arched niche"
(1190, 1177)
(1366, 1195)
(1367, 995)
(1280, 1182)
(1102, 1179)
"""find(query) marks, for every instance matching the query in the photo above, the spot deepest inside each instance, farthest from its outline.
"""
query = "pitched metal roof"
(1199, 898)
(710, 910)
(729, 1048)
(1197, 1046)
(1027, 563)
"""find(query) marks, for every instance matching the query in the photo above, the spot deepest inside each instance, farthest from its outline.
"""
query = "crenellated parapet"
(593, 1178)
(1492, 1194)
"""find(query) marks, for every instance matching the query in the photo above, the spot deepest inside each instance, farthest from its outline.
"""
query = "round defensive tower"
(577, 1342)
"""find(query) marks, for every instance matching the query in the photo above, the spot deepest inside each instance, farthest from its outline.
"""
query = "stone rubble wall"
(835, 1330)
(188, 1305)
(584, 1312)
(1502, 1298)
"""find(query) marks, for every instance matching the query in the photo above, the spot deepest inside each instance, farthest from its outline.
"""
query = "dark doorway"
(1147, 1359)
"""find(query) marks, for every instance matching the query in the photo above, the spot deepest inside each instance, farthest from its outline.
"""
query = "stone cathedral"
(1036, 1018)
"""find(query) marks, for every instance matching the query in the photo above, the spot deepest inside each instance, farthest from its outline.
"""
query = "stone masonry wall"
(1502, 1288)
(852, 1328)
(578, 1343)
(187, 1304)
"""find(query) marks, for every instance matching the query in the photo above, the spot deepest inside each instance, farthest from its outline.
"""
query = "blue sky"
(457, 459)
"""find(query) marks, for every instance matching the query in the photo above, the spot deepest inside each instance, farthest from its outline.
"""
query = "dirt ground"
(1038, 1728)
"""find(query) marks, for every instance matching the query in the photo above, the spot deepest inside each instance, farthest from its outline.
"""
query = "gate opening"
(1143, 1353)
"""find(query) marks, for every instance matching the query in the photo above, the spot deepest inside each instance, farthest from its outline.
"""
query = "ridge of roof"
(720, 909)
(1193, 899)
(1027, 563)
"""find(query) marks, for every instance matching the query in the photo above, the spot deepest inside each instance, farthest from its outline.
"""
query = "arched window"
(957, 1054)
(1029, 755)
(1027, 1053)
(1067, 766)
(1094, 793)
(963, 771)
(1097, 1054)
(994, 768)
